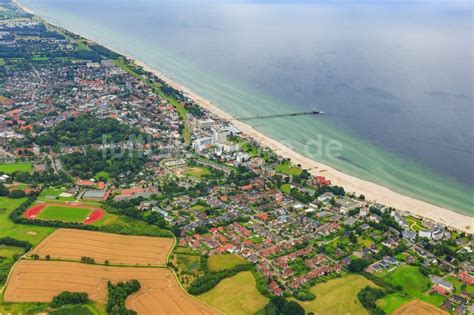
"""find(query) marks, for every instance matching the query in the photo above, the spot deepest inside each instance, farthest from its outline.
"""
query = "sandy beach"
(373, 192)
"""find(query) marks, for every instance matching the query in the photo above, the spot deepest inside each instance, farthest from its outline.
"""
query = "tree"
(292, 308)
(357, 265)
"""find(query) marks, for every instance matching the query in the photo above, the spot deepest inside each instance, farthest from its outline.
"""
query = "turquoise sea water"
(395, 85)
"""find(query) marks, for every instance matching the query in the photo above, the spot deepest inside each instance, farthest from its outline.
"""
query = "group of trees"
(49, 178)
(86, 129)
(118, 293)
(368, 297)
(280, 306)
(87, 164)
(87, 260)
(9, 241)
(67, 298)
(15, 194)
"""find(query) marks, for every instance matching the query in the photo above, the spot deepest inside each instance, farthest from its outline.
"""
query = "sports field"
(16, 167)
(73, 244)
(228, 261)
(236, 295)
(418, 307)
(160, 293)
(65, 214)
(338, 296)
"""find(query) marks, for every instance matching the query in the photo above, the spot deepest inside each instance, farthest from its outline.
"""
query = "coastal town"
(86, 130)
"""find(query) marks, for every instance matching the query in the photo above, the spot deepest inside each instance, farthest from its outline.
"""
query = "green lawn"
(7, 253)
(227, 261)
(415, 224)
(458, 284)
(15, 167)
(196, 171)
(365, 241)
(30, 233)
(414, 284)
(52, 193)
(338, 296)
(66, 214)
(125, 225)
(288, 169)
(286, 188)
(236, 295)
(102, 174)
(251, 150)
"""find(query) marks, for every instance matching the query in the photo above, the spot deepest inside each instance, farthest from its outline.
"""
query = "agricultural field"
(414, 284)
(288, 169)
(16, 167)
(30, 233)
(236, 295)
(222, 262)
(418, 307)
(39, 281)
(338, 296)
(70, 244)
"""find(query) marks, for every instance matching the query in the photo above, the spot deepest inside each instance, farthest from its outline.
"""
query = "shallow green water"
(359, 157)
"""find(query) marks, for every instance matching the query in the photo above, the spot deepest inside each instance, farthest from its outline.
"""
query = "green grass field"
(288, 169)
(30, 233)
(52, 193)
(415, 224)
(103, 174)
(66, 214)
(16, 167)
(458, 284)
(286, 188)
(125, 225)
(414, 284)
(236, 295)
(338, 296)
(228, 261)
(7, 253)
(197, 171)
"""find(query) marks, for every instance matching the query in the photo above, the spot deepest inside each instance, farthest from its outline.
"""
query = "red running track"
(94, 216)
(33, 212)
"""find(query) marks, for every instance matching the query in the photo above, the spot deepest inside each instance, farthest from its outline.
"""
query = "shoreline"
(372, 191)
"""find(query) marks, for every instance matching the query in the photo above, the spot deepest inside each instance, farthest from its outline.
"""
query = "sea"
(394, 78)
